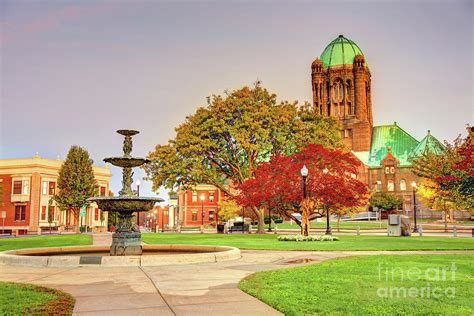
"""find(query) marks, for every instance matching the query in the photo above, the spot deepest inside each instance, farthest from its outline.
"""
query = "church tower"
(342, 89)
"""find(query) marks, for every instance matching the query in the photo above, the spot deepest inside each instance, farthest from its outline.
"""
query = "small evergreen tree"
(76, 182)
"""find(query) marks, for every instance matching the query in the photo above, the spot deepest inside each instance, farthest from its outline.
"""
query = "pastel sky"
(73, 72)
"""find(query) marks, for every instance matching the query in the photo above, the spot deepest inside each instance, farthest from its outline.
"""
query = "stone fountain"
(126, 240)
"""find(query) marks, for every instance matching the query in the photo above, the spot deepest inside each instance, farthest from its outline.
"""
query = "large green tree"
(76, 182)
(222, 143)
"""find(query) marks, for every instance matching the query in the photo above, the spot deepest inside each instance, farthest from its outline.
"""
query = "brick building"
(26, 187)
(341, 84)
(198, 206)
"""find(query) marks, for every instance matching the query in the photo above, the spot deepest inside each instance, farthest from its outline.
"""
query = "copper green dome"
(340, 51)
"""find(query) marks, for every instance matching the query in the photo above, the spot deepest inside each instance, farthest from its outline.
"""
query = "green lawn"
(27, 299)
(269, 241)
(357, 286)
(44, 241)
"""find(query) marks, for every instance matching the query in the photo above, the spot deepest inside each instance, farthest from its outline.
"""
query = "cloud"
(50, 20)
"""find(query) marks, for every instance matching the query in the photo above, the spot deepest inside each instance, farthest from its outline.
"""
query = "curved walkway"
(191, 289)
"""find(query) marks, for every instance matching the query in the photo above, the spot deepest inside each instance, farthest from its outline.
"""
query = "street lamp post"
(304, 174)
(154, 220)
(415, 228)
(270, 218)
(328, 227)
(202, 209)
(138, 183)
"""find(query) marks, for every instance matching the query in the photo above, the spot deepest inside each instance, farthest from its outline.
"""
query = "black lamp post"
(328, 227)
(202, 209)
(270, 217)
(304, 174)
(415, 228)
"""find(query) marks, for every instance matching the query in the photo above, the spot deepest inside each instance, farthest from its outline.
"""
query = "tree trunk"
(304, 226)
(76, 216)
(261, 220)
(306, 206)
(338, 222)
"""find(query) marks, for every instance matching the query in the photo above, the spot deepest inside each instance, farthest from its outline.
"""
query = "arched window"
(350, 108)
(390, 186)
(403, 185)
(378, 186)
(338, 91)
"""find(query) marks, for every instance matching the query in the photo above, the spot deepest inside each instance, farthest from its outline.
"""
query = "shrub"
(276, 219)
(307, 238)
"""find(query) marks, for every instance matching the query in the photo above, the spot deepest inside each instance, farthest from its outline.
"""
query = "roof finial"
(389, 149)
(395, 123)
(341, 36)
(429, 132)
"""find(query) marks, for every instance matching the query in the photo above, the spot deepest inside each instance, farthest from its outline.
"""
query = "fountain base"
(126, 244)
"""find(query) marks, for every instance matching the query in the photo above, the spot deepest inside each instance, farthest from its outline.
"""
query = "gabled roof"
(401, 142)
(428, 144)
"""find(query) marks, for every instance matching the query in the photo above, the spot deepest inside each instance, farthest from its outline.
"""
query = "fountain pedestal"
(126, 240)
(126, 244)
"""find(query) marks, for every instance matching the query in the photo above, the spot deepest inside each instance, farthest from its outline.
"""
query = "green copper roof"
(429, 143)
(391, 135)
(340, 51)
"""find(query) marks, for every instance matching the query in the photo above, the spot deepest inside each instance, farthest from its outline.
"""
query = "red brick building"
(26, 187)
(341, 84)
(198, 206)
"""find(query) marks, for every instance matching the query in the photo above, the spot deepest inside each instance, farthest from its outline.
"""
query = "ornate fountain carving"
(126, 240)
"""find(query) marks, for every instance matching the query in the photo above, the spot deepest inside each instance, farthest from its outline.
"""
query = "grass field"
(44, 241)
(269, 241)
(27, 299)
(357, 286)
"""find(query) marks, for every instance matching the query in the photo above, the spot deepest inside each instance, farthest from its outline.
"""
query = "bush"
(307, 238)
(276, 219)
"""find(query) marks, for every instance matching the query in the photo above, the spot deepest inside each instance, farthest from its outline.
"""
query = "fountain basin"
(125, 204)
(98, 256)
(127, 162)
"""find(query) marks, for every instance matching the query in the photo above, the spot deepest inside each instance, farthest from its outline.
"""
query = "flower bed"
(307, 238)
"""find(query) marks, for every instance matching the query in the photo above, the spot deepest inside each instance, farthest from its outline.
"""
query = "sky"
(73, 72)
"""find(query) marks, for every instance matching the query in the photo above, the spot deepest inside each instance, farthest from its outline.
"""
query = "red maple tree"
(331, 184)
